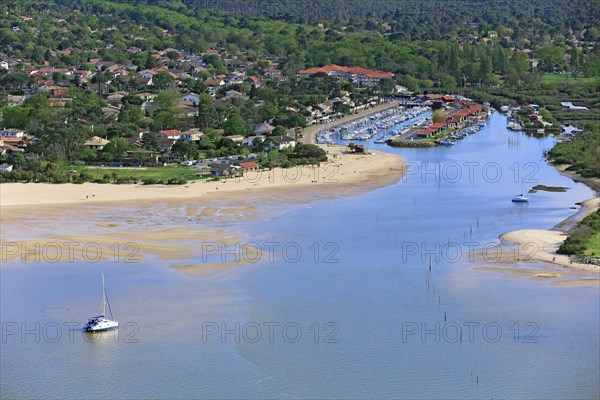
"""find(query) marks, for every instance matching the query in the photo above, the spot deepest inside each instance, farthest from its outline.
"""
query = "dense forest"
(481, 54)
(419, 19)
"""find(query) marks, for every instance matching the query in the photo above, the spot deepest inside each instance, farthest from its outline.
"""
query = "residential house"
(15, 99)
(166, 144)
(235, 93)
(191, 97)
(251, 139)
(14, 141)
(253, 80)
(282, 142)
(236, 138)
(116, 97)
(12, 133)
(358, 75)
(188, 109)
(273, 74)
(6, 146)
(192, 135)
(59, 92)
(263, 129)
(173, 134)
(234, 78)
(96, 143)
(248, 166)
(221, 168)
(148, 74)
(147, 96)
(135, 141)
(216, 81)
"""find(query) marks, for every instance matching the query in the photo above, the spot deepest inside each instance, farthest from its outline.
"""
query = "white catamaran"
(101, 323)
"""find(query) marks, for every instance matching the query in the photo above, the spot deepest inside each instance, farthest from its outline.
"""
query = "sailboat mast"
(103, 296)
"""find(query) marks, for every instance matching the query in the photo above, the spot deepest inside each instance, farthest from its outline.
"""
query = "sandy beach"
(30, 212)
(343, 172)
(542, 244)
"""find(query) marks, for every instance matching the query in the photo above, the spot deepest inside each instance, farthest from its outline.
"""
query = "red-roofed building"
(253, 80)
(174, 134)
(214, 82)
(358, 75)
(249, 166)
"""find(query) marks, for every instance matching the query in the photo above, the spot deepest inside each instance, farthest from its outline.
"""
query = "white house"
(11, 133)
(192, 135)
(235, 93)
(148, 74)
(96, 143)
(191, 97)
(236, 138)
(3, 64)
(173, 134)
(282, 142)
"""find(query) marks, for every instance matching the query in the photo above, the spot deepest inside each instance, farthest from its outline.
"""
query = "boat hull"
(100, 329)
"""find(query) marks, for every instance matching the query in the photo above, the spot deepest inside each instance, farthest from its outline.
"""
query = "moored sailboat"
(101, 323)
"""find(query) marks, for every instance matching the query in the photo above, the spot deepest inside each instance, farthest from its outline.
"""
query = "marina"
(384, 125)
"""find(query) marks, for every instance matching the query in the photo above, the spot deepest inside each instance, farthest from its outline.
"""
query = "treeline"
(582, 153)
(421, 19)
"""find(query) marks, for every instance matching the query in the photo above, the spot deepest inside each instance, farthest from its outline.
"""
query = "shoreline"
(547, 242)
(341, 173)
(592, 183)
(32, 208)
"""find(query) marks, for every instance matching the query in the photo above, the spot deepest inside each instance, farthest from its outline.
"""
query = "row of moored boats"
(389, 123)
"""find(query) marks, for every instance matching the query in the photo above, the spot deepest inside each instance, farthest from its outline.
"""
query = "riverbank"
(310, 133)
(342, 172)
(542, 244)
(593, 183)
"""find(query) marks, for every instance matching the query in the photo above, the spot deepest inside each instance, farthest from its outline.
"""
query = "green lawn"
(163, 173)
(564, 78)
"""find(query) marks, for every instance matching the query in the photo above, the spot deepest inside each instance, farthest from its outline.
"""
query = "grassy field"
(564, 78)
(162, 173)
